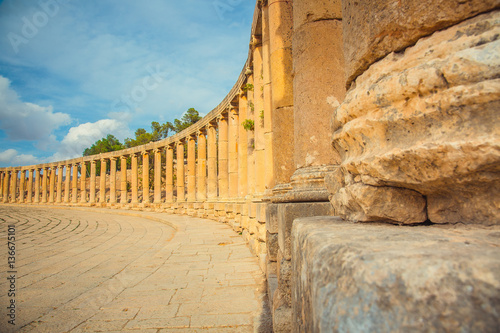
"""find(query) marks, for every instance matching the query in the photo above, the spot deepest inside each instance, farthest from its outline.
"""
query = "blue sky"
(73, 71)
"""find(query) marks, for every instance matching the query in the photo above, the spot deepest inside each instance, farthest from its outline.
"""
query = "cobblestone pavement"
(102, 270)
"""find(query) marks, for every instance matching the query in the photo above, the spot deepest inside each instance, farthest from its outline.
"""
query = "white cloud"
(12, 157)
(84, 135)
(26, 121)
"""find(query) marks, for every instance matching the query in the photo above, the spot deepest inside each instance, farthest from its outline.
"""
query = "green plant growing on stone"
(248, 125)
(252, 107)
(261, 114)
(247, 87)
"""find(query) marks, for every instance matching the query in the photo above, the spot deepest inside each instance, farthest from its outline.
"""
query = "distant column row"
(212, 164)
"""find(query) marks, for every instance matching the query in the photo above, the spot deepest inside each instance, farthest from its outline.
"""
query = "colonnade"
(206, 163)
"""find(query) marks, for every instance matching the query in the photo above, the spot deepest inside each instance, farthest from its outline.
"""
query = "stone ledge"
(352, 277)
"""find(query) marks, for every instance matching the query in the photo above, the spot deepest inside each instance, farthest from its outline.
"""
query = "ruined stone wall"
(418, 142)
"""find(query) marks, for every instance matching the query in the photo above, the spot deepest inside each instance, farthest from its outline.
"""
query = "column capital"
(123, 157)
(202, 131)
(213, 123)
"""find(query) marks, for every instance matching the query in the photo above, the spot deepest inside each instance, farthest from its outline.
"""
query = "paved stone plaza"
(102, 270)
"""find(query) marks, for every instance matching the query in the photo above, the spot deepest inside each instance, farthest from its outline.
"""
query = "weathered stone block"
(272, 218)
(384, 278)
(272, 246)
(373, 29)
(261, 212)
(288, 212)
(426, 119)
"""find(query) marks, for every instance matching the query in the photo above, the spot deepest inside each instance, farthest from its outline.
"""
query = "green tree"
(189, 118)
(104, 145)
(141, 138)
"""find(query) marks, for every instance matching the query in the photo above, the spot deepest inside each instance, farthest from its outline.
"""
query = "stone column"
(102, 182)
(45, 177)
(212, 161)
(83, 182)
(191, 168)
(30, 186)
(123, 180)
(37, 185)
(112, 181)
(59, 183)
(22, 186)
(180, 171)
(267, 102)
(52, 186)
(169, 174)
(67, 183)
(233, 133)
(201, 180)
(6, 187)
(318, 48)
(93, 178)
(242, 148)
(223, 157)
(145, 177)
(250, 145)
(2, 175)
(281, 64)
(157, 181)
(13, 181)
(259, 117)
(74, 183)
(135, 179)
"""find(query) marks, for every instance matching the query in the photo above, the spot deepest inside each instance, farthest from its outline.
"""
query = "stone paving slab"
(102, 270)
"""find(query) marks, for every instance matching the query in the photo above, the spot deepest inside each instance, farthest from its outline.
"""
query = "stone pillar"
(201, 181)
(59, 183)
(123, 180)
(180, 171)
(67, 183)
(169, 174)
(212, 161)
(157, 181)
(259, 117)
(242, 148)
(145, 177)
(102, 182)
(135, 179)
(281, 65)
(83, 182)
(30, 186)
(2, 175)
(191, 168)
(13, 181)
(412, 128)
(233, 132)
(267, 103)
(250, 146)
(6, 187)
(45, 177)
(319, 87)
(74, 183)
(52, 185)
(223, 157)
(112, 181)
(93, 178)
(22, 186)
(37, 185)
